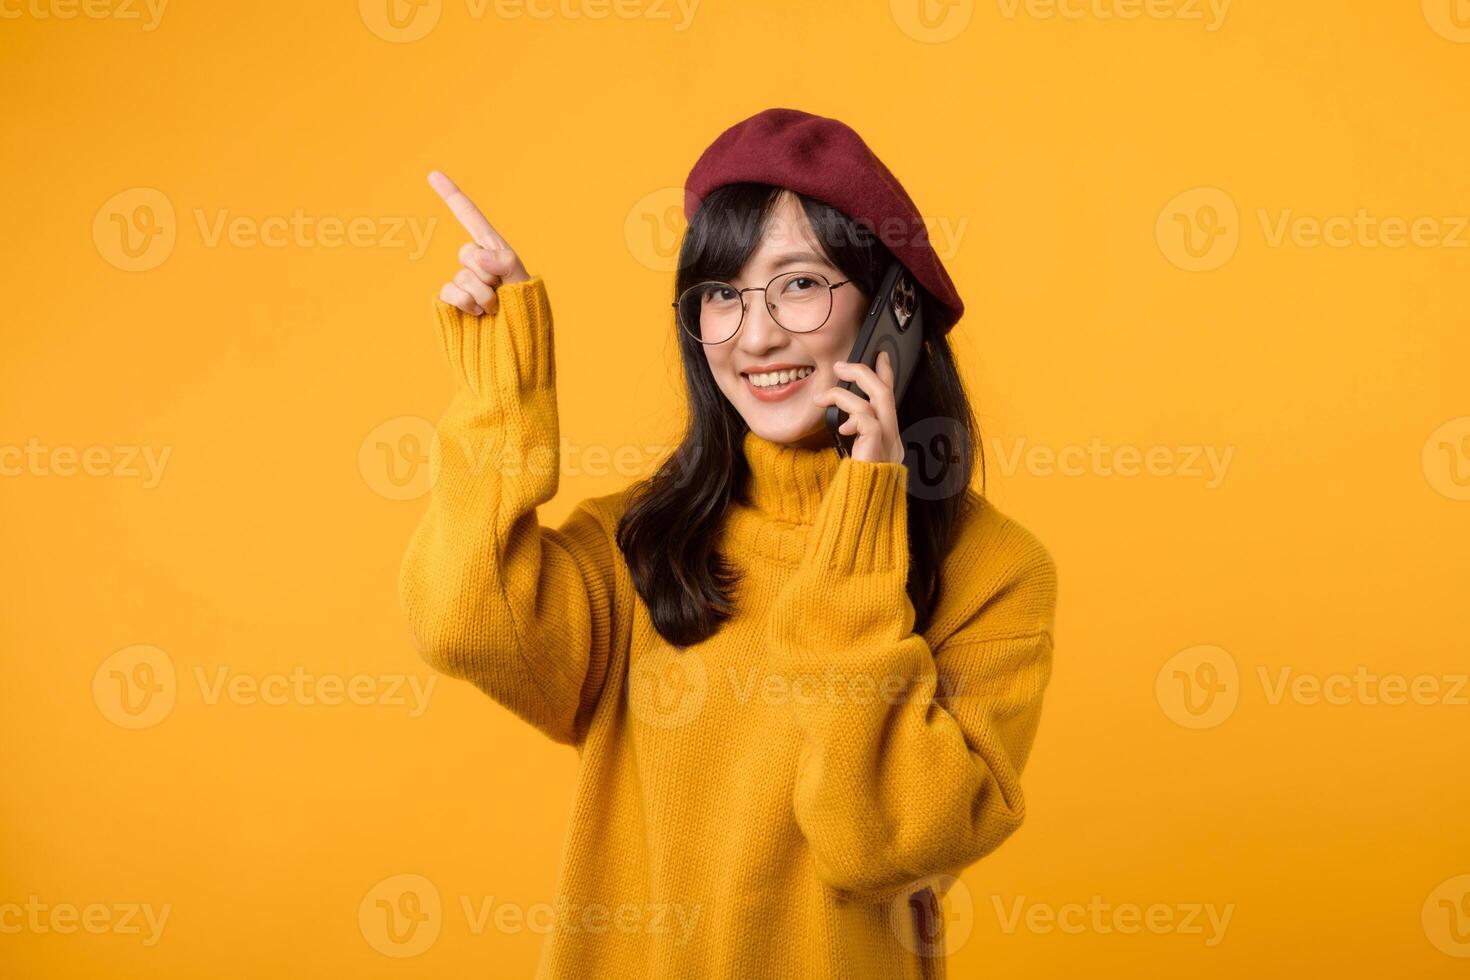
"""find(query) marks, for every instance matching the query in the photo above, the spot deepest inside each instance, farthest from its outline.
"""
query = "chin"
(808, 431)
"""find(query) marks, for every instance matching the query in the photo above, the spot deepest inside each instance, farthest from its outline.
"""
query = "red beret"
(825, 159)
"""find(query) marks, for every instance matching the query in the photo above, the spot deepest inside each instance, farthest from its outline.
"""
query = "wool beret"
(825, 159)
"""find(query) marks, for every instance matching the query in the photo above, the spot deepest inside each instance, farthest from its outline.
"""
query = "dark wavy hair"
(668, 530)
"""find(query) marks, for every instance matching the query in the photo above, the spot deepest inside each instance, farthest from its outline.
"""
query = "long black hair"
(668, 531)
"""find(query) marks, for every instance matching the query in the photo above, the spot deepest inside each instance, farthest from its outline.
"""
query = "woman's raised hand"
(486, 262)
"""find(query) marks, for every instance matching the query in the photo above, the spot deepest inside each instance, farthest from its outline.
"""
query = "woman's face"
(786, 414)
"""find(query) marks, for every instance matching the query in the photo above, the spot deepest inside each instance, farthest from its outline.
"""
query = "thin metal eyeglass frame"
(762, 290)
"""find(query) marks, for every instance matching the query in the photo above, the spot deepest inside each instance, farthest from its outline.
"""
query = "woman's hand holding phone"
(487, 262)
(875, 418)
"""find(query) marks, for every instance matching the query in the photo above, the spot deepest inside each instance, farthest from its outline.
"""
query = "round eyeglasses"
(711, 312)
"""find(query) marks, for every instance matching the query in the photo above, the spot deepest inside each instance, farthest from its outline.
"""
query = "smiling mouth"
(777, 392)
(794, 375)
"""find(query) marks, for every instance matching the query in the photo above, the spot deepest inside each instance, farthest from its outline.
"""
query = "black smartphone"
(895, 323)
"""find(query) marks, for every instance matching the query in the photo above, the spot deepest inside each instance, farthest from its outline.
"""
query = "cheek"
(837, 344)
(847, 319)
(718, 360)
(828, 348)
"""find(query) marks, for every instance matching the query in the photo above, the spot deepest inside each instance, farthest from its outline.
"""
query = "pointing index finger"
(464, 209)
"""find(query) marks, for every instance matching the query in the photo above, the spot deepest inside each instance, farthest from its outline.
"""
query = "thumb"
(506, 264)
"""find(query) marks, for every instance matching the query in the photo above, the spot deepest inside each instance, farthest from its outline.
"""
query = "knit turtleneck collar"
(786, 483)
(780, 499)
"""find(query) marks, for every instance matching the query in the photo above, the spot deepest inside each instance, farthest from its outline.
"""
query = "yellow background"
(1074, 151)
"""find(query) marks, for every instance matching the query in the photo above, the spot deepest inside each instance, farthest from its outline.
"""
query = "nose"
(760, 331)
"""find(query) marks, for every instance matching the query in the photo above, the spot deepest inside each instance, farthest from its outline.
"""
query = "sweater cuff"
(508, 352)
(862, 522)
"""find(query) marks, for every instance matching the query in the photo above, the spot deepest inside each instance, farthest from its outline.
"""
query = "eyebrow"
(792, 258)
(797, 258)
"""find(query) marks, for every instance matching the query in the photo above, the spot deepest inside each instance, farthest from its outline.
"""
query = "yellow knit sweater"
(792, 796)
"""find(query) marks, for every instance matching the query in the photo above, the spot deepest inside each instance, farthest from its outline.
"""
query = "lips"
(767, 369)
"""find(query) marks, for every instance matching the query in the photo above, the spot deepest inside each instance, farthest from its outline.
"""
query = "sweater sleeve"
(911, 756)
(524, 612)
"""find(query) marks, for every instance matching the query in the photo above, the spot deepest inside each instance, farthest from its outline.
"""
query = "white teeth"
(772, 378)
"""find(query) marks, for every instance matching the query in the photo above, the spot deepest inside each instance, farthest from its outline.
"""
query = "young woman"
(802, 686)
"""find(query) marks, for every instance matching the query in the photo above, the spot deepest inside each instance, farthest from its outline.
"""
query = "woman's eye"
(802, 283)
